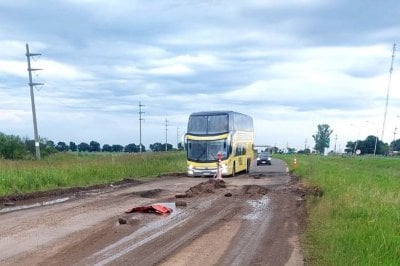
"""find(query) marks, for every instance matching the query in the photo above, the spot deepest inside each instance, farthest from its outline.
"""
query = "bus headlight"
(190, 169)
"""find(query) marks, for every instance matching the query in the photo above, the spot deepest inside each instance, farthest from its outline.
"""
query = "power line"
(31, 85)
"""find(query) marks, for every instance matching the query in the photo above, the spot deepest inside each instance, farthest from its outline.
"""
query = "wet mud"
(209, 186)
(235, 221)
(254, 190)
(43, 196)
(152, 193)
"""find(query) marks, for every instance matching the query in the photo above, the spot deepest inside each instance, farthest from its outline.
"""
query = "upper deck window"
(212, 124)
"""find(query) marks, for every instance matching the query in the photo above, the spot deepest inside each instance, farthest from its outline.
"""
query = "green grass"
(357, 221)
(83, 169)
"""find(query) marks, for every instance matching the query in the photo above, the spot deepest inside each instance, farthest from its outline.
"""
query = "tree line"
(371, 145)
(15, 147)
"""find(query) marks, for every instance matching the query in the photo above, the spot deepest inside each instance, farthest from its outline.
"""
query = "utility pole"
(140, 126)
(394, 138)
(334, 151)
(177, 138)
(31, 85)
(166, 134)
(388, 88)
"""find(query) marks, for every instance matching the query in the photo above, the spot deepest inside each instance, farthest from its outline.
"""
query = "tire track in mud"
(211, 217)
(152, 244)
(255, 225)
(53, 227)
(230, 241)
(252, 231)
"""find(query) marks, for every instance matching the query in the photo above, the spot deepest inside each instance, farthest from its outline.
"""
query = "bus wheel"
(248, 166)
(233, 170)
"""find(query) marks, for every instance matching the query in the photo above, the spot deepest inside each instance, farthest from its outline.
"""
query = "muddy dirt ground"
(250, 219)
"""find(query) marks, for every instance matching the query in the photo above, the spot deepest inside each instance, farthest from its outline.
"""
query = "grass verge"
(64, 170)
(357, 221)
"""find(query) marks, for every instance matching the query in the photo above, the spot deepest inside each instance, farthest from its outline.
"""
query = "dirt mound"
(302, 190)
(206, 187)
(254, 190)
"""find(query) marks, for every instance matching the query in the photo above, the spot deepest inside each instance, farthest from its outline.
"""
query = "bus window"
(217, 124)
(238, 151)
(213, 124)
(197, 151)
(206, 151)
(197, 125)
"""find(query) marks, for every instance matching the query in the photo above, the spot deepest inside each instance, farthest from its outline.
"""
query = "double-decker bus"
(226, 133)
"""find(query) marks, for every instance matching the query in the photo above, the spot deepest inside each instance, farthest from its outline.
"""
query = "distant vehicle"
(264, 158)
(226, 134)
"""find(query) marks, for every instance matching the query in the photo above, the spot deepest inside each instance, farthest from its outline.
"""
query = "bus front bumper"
(209, 171)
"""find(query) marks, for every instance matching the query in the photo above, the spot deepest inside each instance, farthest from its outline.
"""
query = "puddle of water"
(259, 207)
(34, 205)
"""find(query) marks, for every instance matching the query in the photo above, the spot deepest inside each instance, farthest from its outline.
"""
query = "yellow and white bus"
(226, 132)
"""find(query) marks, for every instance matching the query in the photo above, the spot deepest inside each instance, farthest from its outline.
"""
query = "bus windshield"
(206, 151)
(208, 124)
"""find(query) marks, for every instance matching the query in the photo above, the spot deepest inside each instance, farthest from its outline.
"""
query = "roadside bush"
(12, 147)
(47, 147)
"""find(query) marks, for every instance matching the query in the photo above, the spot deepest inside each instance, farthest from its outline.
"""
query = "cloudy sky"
(290, 64)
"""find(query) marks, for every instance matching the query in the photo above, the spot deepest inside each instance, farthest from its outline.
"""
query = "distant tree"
(48, 143)
(180, 146)
(395, 145)
(117, 148)
(349, 147)
(322, 138)
(106, 148)
(291, 150)
(156, 147)
(94, 146)
(72, 146)
(30, 146)
(367, 146)
(143, 148)
(305, 151)
(62, 146)
(131, 148)
(46, 147)
(12, 147)
(169, 147)
(83, 146)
